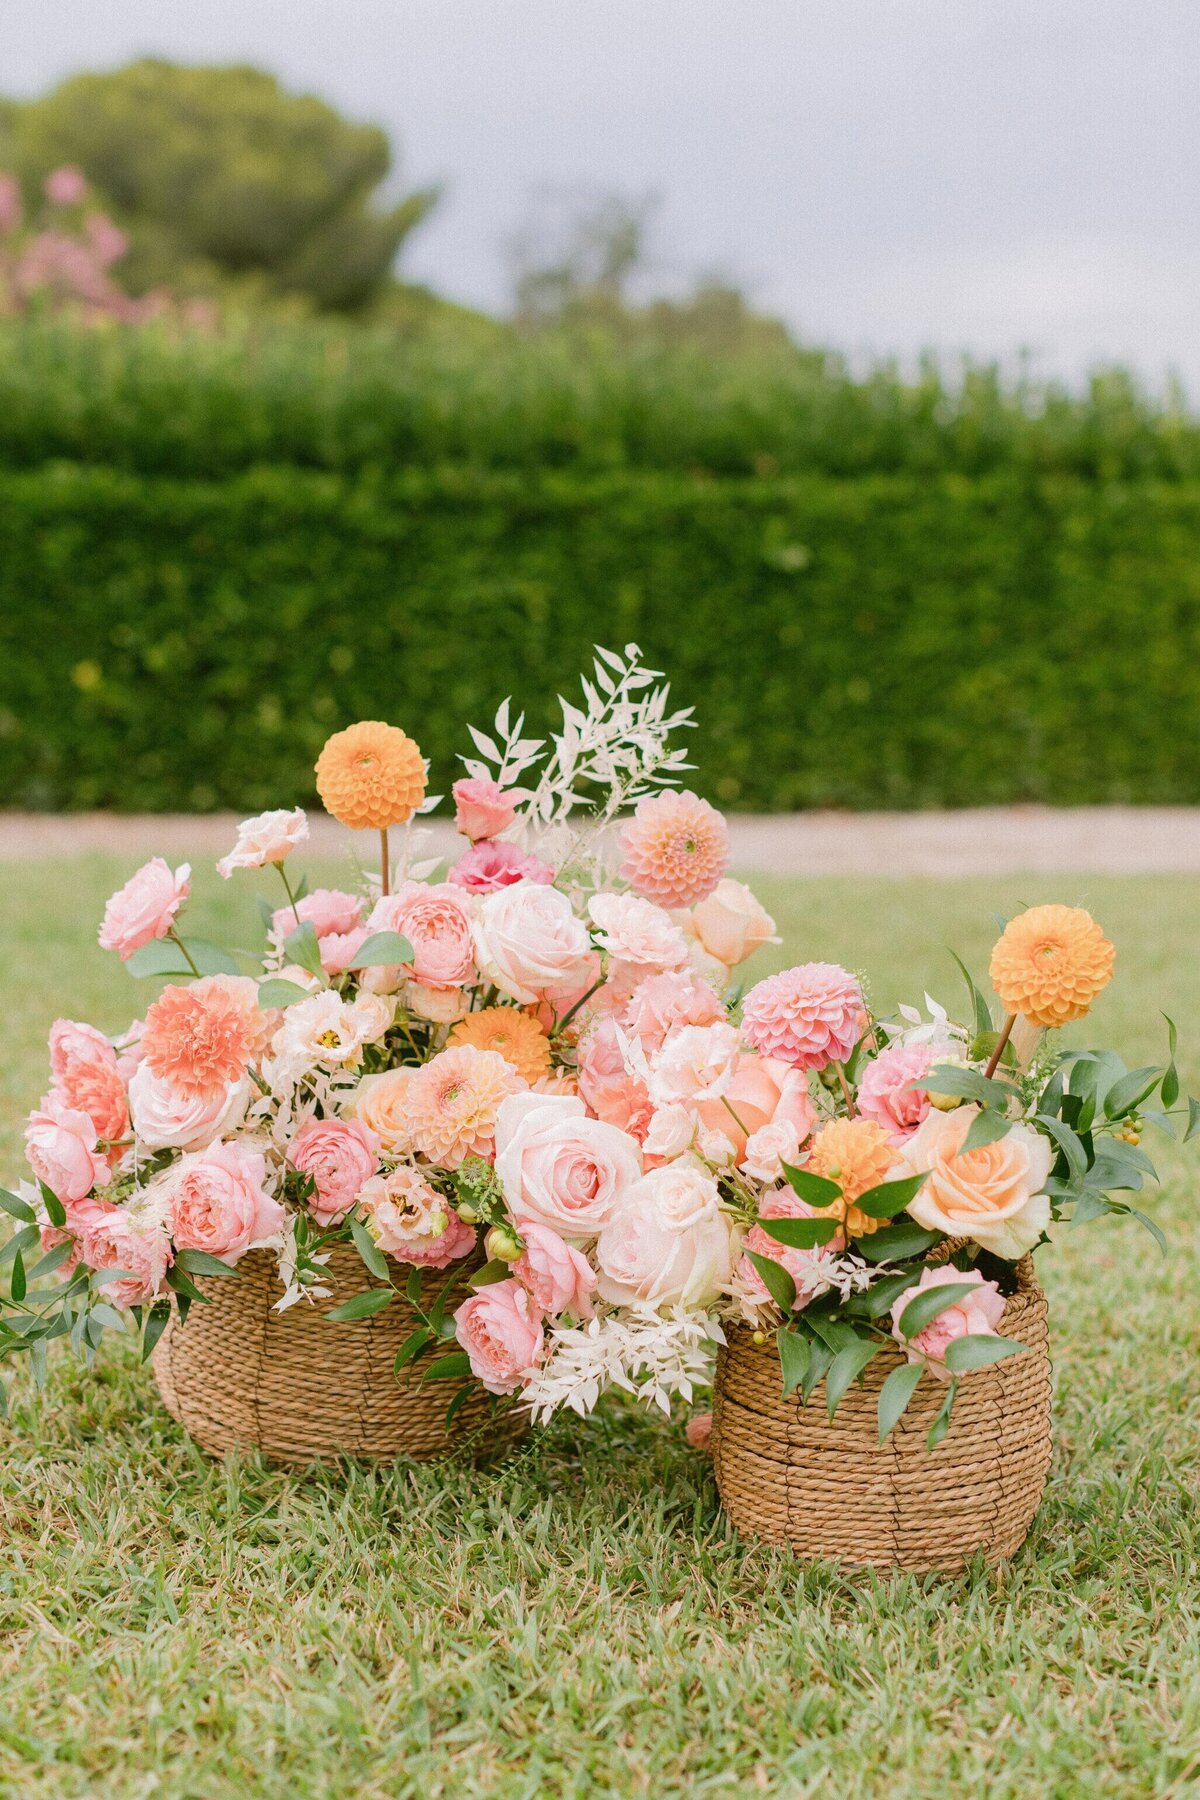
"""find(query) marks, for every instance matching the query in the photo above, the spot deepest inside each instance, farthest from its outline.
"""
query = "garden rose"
(338, 949)
(87, 1079)
(482, 808)
(436, 920)
(976, 1314)
(72, 1042)
(60, 1145)
(340, 1155)
(559, 1277)
(500, 1328)
(119, 1238)
(379, 1102)
(559, 1168)
(270, 837)
(529, 942)
(145, 908)
(662, 1003)
(759, 1091)
(885, 1093)
(218, 1202)
(667, 1242)
(695, 1064)
(995, 1196)
(640, 938)
(327, 910)
(487, 866)
(409, 1219)
(167, 1118)
(809, 1269)
(731, 923)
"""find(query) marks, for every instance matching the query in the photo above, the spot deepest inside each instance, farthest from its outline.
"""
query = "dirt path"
(983, 841)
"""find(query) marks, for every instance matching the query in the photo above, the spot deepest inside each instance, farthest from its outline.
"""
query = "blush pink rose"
(71, 1041)
(976, 1314)
(809, 1269)
(436, 920)
(559, 1277)
(269, 837)
(327, 910)
(114, 1238)
(341, 1155)
(529, 942)
(885, 1093)
(338, 949)
(410, 1220)
(667, 1243)
(486, 867)
(60, 1145)
(167, 1118)
(145, 908)
(218, 1202)
(559, 1168)
(500, 1328)
(482, 808)
(610, 1091)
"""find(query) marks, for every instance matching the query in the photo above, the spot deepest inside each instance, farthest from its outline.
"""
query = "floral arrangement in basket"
(541, 1062)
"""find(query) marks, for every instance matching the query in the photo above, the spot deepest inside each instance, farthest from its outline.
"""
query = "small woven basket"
(831, 1490)
(300, 1389)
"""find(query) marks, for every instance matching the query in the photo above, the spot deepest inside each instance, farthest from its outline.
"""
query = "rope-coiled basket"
(831, 1490)
(300, 1389)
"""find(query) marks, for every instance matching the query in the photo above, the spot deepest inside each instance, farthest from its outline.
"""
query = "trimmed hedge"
(897, 639)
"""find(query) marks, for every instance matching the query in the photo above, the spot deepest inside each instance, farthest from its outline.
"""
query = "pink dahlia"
(809, 1016)
(676, 849)
(449, 1107)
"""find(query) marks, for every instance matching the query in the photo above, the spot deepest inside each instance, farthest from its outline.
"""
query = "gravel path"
(980, 841)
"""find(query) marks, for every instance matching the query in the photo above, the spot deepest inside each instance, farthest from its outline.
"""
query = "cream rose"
(668, 1243)
(995, 1196)
(558, 1167)
(529, 942)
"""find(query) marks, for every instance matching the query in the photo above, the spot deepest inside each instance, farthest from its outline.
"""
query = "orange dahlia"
(858, 1154)
(516, 1037)
(371, 776)
(1050, 963)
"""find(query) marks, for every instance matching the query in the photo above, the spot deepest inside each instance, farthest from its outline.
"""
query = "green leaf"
(1126, 1095)
(490, 1273)
(382, 950)
(53, 1259)
(879, 1298)
(362, 1306)
(941, 1424)
(56, 1212)
(930, 1303)
(199, 1262)
(1193, 1124)
(368, 1249)
(277, 992)
(449, 1368)
(977, 1352)
(18, 1284)
(20, 1242)
(164, 957)
(819, 1358)
(890, 1197)
(814, 1189)
(896, 1243)
(846, 1367)
(987, 1127)
(152, 1330)
(412, 1287)
(1170, 1080)
(982, 1011)
(1067, 1142)
(967, 1084)
(20, 1209)
(779, 1283)
(411, 1347)
(895, 1395)
(176, 1280)
(1155, 1230)
(303, 947)
(794, 1355)
(800, 1234)
(1093, 1073)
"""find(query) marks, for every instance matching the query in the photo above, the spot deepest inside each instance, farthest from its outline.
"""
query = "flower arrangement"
(541, 1062)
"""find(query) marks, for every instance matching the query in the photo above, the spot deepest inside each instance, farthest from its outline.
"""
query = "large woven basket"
(301, 1389)
(830, 1490)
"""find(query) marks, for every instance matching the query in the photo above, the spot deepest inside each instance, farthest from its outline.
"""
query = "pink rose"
(695, 1064)
(327, 910)
(976, 1314)
(559, 1168)
(166, 1118)
(60, 1145)
(437, 923)
(72, 1042)
(529, 942)
(117, 1239)
(86, 1078)
(340, 1155)
(885, 1094)
(482, 808)
(129, 1049)
(218, 1202)
(559, 1277)
(409, 1219)
(667, 1242)
(640, 938)
(500, 1328)
(807, 1268)
(269, 837)
(664, 1002)
(145, 908)
(610, 1091)
(486, 867)
(338, 949)
(731, 924)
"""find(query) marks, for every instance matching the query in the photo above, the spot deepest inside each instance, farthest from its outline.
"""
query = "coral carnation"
(519, 1039)
(1050, 963)
(371, 776)
(809, 1016)
(201, 1038)
(449, 1108)
(676, 849)
(858, 1154)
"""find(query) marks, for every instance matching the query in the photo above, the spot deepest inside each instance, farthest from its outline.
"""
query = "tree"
(218, 172)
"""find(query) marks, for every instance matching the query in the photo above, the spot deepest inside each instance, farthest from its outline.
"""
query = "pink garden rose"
(731, 924)
(486, 867)
(809, 1016)
(529, 942)
(640, 938)
(436, 920)
(663, 1002)
(482, 808)
(74, 1042)
(218, 1202)
(667, 1242)
(885, 1093)
(116, 1238)
(559, 1277)
(270, 837)
(560, 1169)
(410, 1220)
(731, 1093)
(338, 949)
(327, 910)
(145, 908)
(87, 1079)
(60, 1145)
(611, 1092)
(807, 1268)
(341, 1155)
(500, 1328)
(976, 1314)
(167, 1118)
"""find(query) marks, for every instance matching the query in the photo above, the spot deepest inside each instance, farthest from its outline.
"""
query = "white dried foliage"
(654, 1356)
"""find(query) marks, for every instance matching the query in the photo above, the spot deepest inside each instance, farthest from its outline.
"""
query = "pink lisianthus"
(885, 1093)
(145, 908)
(341, 1155)
(482, 808)
(218, 1202)
(500, 1328)
(327, 910)
(86, 1078)
(436, 920)
(485, 867)
(559, 1168)
(976, 1314)
(60, 1146)
(809, 1016)
(269, 837)
(529, 942)
(559, 1277)
(410, 1220)
(807, 1268)
(114, 1238)
(611, 1092)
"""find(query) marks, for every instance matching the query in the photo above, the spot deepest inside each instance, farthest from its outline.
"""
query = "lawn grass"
(582, 1621)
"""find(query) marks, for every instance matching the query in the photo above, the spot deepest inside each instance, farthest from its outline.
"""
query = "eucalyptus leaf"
(1193, 1124)
(895, 1395)
(152, 1330)
(1149, 1225)
(20, 1242)
(56, 1212)
(819, 1358)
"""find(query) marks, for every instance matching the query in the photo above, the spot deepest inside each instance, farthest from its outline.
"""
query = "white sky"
(887, 174)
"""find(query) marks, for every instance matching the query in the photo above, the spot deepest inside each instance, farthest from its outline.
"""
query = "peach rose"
(218, 1202)
(500, 1328)
(379, 1102)
(559, 1277)
(60, 1146)
(116, 1238)
(529, 942)
(166, 1118)
(759, 1091)
(559, 1168)
(995, 1196)
(976, 1314)
(341, 1155)
(145, 908)
(731, 923)
(667, 1242)
(409, 1219)
(436, 920)
(269, 837)
(482, 808)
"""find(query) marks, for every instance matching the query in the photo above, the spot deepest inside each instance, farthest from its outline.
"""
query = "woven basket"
(299, 1389)
(831, 1490)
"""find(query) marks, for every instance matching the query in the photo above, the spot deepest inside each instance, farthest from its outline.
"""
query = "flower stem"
(998, 1052)
(847, 1096)
(287, 888)
(383, 851)
(188, 957)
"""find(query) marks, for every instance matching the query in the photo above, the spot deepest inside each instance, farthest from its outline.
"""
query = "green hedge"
(890, 640)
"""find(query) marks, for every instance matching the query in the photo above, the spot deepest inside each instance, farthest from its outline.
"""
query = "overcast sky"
(887, 174)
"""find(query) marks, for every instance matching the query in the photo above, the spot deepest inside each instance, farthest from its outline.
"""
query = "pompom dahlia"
(449, 1108)
(809, 1016)
(858, 1154)
(371, 776)
(1050, 963)
(518, 1038)
(675, 848)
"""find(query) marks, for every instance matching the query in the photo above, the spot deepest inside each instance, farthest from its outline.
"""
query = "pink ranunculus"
(269, 837)
(486, 867)
(639, 937)
(482, 808)
(809, 1269)
(559, 1168)
(218, 1202)
(667, 1243)
(114, 1238)
(436, 920)
(559, 1277)
(976, 1314)
(808, 1016)
(731, 924)
(341, 1155)
(886, 1095)
(611, 1092)
(327, 910)
(663, 1003)
(86, 1078)
(60, 1145)
(167, 1118)
(529, 942)
(145, 908)
(699, 1430)
(500, 1328)
(65, 186)
(410, 1220)
(339, 948)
